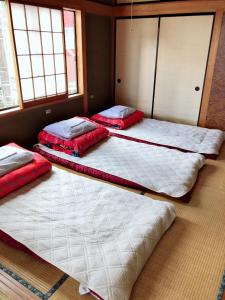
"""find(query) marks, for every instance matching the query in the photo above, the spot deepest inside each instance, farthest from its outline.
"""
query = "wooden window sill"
(32, 105)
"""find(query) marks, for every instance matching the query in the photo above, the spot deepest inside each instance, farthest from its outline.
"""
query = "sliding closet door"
(183, 50)
(136, 44)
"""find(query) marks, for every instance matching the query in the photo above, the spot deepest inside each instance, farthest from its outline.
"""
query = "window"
(8, 86)
(70, 40)
(46, 51)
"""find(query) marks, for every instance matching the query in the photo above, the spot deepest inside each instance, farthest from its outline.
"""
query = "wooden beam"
(85, 5)
(210, 67)
(113, 24)
(173, 7)
(82, 57)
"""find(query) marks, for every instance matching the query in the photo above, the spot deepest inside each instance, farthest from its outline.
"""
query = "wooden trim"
(174, 7)
(14, 111)
(210, 67)
(36, 102)
(113, 56)
(85, 5)
(82, 57)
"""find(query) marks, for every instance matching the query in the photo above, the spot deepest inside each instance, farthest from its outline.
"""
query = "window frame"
(15, 65)
(76, 55)
(46, 99)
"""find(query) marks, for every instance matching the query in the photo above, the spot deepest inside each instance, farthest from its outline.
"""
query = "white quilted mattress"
(158, 169)
(187, 137)
(100, 235)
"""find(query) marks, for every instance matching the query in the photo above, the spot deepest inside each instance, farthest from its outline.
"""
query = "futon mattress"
(158, 169)
(185, 137)
(99, 235)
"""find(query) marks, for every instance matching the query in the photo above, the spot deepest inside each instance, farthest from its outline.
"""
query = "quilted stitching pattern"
(187, 137)
(98, 234)
(156, 168)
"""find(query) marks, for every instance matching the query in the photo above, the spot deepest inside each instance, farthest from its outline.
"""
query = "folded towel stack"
(12, 158)
(71, 128)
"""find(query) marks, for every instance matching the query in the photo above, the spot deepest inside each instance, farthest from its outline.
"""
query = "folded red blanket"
(76, 146)
(18, 178)
(132, 119)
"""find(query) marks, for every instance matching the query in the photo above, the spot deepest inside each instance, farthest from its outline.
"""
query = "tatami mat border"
(222, 288)
(31, 288)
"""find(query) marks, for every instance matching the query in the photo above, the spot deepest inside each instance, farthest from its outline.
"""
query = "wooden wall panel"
(99, 62)
(23, 127)
(216, 108)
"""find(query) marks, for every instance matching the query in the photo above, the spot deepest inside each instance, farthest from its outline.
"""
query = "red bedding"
(18, 178)
(77, 146)
(132, 119)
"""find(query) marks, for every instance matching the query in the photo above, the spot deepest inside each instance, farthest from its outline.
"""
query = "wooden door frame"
(185, 7)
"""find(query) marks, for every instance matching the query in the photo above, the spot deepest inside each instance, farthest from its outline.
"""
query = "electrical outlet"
(48, 111)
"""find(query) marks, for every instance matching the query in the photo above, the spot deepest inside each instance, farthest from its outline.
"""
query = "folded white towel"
(118, 111)
(6, 151)
(15, 161)
(71, 128)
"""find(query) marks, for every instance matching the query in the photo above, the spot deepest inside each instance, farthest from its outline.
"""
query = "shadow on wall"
(23, 127)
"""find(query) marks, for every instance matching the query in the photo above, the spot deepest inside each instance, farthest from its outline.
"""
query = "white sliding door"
(183, 50)
(136, 44)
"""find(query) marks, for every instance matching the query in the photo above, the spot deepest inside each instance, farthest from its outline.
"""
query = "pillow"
(76, 146)
(14, 160)
(19, 177)
(132, 119)
(71, 128)
(117, 112)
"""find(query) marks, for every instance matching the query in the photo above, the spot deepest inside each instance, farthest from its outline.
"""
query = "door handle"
(197, 88)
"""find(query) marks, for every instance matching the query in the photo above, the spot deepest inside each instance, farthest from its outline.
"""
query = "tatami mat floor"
(188, 263)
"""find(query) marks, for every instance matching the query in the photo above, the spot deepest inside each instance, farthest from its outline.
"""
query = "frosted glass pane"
(27, 89)
(37, 65)
(21, 42)
(70, 44)
(49, 65)
(45, 19)
(8, 87)
(58, 43)
(56, 20)
(47, 42)
(35, 42)
(69, 27)
(24, 66)
(18, 16)
(39, 87)
(32, 17)
(61, 84)
(59, 64)
(50, 85)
